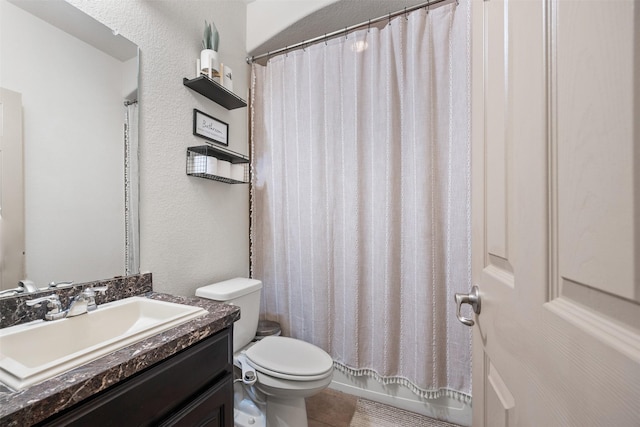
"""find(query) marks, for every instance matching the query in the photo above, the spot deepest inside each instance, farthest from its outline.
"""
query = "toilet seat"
(290, 359)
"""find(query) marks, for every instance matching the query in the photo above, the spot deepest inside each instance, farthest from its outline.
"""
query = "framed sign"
(210, 128)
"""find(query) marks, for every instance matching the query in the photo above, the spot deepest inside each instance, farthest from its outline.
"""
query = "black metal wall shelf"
(215, 92)
(220, 153)
(196, 166)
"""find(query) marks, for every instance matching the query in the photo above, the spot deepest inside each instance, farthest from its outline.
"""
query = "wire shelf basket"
(217, 164)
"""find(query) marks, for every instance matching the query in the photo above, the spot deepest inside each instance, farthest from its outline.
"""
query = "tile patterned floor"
(331, 408)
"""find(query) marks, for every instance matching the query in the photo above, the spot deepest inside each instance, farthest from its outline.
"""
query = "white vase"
(209, 59)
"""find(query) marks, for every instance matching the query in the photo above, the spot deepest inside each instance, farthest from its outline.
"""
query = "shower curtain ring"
(346, 34)
(389, 18)
(405, 14)
(369, 26)
(325, 39)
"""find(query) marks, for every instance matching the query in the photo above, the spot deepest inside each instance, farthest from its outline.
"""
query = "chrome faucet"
(85, 301)
(28, 286)
(53, 304)
(80, 304)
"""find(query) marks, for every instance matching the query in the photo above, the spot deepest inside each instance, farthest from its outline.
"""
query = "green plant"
(211, 38)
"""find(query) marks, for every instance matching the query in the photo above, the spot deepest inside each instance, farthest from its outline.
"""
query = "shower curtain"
(131, 189)
(360, 198)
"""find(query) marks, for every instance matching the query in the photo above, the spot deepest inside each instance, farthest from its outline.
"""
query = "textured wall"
(193, 231)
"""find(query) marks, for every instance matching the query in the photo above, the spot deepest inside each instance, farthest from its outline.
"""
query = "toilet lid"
(289, 358)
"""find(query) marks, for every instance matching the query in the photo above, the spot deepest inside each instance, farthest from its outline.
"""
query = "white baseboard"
(443, 408)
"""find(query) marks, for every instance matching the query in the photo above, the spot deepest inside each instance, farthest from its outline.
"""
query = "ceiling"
(334, 17)
(80, 25)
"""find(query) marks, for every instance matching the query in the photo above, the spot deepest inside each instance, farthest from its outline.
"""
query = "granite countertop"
(38, 402)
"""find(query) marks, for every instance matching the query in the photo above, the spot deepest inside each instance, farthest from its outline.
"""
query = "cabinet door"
(213, 408)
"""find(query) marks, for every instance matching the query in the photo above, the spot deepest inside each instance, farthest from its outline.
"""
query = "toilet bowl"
(278, 372)
(287, 367)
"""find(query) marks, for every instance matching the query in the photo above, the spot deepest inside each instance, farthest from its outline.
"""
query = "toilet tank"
(243, 293)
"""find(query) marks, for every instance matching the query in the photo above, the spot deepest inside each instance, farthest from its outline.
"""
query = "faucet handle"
(60, 284)
(53, 304)
(13, 291)
(50, 299)
(91, 291)
(90, 294)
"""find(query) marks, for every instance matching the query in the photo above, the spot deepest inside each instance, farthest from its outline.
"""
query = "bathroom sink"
(35, 351)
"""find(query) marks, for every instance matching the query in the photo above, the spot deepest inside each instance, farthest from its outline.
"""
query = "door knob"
(473, 299)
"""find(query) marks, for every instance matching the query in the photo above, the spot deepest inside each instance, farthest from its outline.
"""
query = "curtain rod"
(347, 30)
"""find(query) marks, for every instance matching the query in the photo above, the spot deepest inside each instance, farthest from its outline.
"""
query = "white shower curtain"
(360, 198)
(131, 189)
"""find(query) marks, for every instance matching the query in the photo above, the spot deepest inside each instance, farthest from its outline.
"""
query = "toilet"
(277, 373)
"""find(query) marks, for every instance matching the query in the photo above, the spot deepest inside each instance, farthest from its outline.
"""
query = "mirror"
(69, 118)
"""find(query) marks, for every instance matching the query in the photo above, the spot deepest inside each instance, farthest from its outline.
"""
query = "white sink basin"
(36, 351)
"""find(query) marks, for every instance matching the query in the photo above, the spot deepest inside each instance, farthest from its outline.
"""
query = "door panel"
(596, 217)
(496, 80)
(596, 173)
(556, 212)
(500, 402)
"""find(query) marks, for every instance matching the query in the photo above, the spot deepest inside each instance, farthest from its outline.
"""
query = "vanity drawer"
(160, 391)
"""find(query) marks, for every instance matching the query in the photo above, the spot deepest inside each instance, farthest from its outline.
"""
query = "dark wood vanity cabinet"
(192, 388)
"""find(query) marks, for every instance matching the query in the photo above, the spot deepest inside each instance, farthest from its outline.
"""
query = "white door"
(12, 237)
(556, 212)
